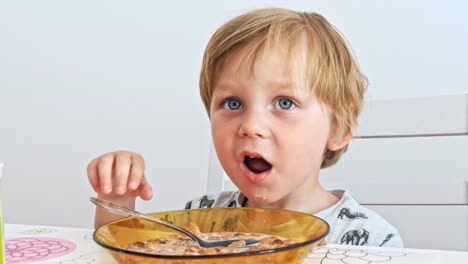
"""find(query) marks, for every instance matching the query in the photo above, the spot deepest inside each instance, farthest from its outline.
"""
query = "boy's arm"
(103, 216)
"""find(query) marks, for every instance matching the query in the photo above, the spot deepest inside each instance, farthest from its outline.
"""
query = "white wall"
(79, 78)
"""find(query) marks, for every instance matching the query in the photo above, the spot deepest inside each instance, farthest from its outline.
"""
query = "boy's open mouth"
(256, 164)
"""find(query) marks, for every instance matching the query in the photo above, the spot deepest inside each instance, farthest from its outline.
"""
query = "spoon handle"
(118, 209)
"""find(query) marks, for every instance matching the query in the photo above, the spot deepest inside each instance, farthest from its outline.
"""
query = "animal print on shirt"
(355, 237)
(350, 215)
(389, 236)
(205, 202)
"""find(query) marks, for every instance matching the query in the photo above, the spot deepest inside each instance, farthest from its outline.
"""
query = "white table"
(45, 244)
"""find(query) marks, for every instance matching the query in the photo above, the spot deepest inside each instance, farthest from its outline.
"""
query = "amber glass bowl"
(306, 229)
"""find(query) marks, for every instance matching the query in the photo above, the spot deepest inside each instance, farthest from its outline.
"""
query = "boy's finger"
(146, 192)
(104, 167)
(93, 175)
(137, 171)
(122, 165)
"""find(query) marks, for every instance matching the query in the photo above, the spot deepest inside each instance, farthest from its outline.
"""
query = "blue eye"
(232, 104)
(285, 104)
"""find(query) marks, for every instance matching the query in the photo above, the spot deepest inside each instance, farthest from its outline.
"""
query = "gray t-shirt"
(350, 223)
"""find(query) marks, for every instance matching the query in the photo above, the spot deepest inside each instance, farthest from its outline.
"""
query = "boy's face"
(269, 131)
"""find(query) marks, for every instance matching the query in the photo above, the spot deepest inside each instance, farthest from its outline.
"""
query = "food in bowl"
(306, 230)
(179, 244)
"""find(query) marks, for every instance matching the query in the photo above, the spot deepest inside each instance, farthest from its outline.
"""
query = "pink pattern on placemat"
(31, 249)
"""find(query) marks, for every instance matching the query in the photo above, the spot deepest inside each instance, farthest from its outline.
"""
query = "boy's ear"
(335, 142)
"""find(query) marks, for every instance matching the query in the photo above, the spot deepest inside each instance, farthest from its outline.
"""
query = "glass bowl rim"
(239, 254)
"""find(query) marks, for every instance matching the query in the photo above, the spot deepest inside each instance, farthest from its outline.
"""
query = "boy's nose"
(254, 126)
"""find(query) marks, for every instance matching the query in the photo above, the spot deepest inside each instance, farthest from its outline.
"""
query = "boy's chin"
(259, 200)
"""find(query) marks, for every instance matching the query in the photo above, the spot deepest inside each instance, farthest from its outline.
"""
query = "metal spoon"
(117, 209)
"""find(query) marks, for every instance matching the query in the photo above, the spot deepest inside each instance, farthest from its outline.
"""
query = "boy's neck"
(316, 201)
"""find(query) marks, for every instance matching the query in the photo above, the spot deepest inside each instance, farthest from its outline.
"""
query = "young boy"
(283, 93)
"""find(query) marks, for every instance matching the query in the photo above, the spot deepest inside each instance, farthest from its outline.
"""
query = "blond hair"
(332, 72)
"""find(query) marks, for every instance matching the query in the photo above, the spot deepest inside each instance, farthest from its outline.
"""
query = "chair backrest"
(418, 146)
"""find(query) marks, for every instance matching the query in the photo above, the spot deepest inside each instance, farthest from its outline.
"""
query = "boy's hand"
(119, 174)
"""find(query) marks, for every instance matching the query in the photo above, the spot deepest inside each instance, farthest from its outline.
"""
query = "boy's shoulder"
(223, 199)
(352, 223)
